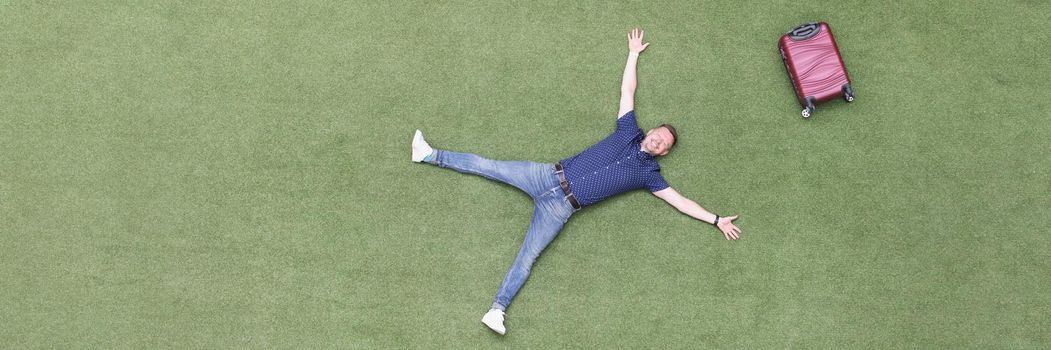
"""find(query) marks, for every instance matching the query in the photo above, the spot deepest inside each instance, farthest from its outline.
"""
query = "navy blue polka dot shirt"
(614, 165)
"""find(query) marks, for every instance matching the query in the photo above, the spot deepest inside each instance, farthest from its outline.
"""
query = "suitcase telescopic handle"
(804, 32)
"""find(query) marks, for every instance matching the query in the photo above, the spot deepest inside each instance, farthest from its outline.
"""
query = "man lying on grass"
(625, 160)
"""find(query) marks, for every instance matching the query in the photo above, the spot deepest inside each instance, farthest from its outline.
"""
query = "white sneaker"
(494, 319)
(420, 148)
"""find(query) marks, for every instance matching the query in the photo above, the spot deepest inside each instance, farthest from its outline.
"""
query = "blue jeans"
(551, 210)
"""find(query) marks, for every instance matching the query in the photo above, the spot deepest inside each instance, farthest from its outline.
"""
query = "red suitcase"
(812, 59)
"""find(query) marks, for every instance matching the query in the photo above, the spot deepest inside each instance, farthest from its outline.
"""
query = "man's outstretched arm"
(627, 85)
(691, 208)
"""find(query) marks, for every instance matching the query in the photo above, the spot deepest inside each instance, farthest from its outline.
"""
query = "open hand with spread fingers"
(635, 40)
(730, 230)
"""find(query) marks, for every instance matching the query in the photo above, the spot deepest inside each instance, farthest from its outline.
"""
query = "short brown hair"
(674, 134)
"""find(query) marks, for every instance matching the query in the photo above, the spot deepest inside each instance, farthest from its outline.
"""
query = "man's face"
(658, 142)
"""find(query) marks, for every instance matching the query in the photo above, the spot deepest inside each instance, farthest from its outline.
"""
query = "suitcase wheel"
(809, 109)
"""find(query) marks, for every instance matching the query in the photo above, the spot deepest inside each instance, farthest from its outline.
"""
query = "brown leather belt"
(565, 186)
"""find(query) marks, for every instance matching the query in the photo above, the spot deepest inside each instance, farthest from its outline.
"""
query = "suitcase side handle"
(804, 32)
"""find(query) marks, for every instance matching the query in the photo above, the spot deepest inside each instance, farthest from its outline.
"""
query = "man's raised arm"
(627, 85)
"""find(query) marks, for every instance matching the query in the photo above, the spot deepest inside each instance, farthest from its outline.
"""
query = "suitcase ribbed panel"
(816, 66)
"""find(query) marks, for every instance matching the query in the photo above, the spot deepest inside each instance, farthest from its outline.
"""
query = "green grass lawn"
(227, 174)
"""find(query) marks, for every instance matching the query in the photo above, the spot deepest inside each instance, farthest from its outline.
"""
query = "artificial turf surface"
(231, 174)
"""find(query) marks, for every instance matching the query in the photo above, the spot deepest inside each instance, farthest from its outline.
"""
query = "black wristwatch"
(716, 223)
